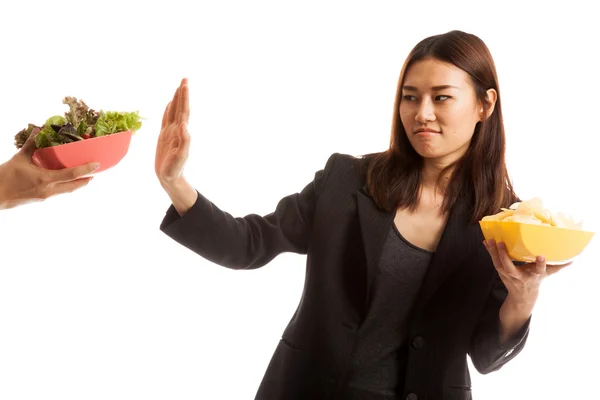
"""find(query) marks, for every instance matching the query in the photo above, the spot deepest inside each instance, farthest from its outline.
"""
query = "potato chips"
(533, 212)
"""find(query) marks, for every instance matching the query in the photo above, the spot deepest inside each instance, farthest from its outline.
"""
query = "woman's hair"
(394, 176)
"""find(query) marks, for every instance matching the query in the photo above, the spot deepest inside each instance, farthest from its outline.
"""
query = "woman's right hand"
(172, 151)
(174, 140)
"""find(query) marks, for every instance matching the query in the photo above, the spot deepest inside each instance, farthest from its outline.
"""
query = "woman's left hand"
(523, 281)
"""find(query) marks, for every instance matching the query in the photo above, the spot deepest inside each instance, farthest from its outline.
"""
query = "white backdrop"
(96, 303)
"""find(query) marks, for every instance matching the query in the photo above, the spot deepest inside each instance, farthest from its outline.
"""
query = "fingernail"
(95, 166)
(541, 259)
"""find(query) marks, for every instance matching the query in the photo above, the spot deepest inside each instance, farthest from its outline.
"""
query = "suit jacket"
(337, 225)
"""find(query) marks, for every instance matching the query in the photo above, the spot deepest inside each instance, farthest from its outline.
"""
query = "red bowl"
(108, 150)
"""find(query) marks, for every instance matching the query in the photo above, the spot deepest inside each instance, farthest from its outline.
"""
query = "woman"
(399, 287)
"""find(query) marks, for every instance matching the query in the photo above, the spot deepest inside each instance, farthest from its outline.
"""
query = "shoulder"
(344, 161)
(343, 170)
(340, 164)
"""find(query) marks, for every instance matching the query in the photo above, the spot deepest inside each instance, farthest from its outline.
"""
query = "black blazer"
(337, 225)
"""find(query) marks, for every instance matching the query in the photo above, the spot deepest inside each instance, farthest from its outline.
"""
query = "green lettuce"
(114, 121)
(48, 136)
(79, 123)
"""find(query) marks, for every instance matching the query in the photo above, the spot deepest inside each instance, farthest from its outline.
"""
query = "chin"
(428, 153)
(432, 153)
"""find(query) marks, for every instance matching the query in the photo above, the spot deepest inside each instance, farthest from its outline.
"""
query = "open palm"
(174, 140)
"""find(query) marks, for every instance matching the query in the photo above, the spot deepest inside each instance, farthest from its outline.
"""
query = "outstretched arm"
(196, 223)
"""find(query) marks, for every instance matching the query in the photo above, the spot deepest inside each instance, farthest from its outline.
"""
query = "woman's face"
(439, 110)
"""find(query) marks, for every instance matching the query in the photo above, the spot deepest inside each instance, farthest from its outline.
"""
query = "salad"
(79, 123)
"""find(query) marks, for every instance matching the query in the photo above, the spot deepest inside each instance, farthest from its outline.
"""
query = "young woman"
(400, 286)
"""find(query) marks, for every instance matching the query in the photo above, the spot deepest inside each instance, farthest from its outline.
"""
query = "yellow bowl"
(525, 242)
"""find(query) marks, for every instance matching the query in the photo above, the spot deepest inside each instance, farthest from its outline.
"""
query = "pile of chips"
(533, 212)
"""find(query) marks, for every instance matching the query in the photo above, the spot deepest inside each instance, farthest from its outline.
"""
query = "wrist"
(513, 315)
(516, 311)
(174, 185)
(522, 302)
(182, 194)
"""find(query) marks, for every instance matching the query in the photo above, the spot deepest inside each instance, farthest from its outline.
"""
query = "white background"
(96, 303)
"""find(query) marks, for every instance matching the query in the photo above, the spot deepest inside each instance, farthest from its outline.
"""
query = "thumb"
(185, 138)
(185, 135)
(540, 265)
(73, 173)
(29, 147)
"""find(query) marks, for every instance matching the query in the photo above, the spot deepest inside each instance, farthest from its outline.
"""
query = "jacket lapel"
(458, 240)
(374, 226)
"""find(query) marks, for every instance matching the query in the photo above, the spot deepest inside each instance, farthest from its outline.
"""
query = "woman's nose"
(426, 112)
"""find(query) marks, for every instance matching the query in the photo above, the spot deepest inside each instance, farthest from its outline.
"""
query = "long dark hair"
(394, 176)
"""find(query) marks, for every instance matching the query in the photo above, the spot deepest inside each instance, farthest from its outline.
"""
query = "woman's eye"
(409, 98)
(442, 98)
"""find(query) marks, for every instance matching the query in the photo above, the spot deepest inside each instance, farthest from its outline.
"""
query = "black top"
(379, 359)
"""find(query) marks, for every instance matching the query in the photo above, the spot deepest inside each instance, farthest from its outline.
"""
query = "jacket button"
(418, 342)
(411, 396)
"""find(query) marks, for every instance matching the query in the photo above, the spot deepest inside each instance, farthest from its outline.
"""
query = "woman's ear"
(490, 103)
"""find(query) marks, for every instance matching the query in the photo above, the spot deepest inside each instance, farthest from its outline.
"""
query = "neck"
(430, 175)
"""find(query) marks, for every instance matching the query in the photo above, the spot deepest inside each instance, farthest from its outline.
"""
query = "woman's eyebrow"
(434, 88)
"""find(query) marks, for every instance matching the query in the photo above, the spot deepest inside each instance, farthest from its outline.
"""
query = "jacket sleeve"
(487, 354)
(252, 241)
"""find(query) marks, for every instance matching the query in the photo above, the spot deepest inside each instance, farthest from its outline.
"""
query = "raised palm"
(174, 140)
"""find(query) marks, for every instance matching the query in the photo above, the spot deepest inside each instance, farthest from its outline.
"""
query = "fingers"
(174, 106)
(71, 174)
(552, 269)
(503, 262)
(500, 258)
(29, 146)
(68, 187)
(183, 109)
(165, 120)
(178, 110)
(539, 268)
(173, 164)
(493, 251)
(506, 261)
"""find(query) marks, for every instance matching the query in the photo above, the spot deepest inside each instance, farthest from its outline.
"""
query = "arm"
(248, 242)
(199, 225)
(493, 345)
(183, 195)
(514, 315)
(505, 325)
